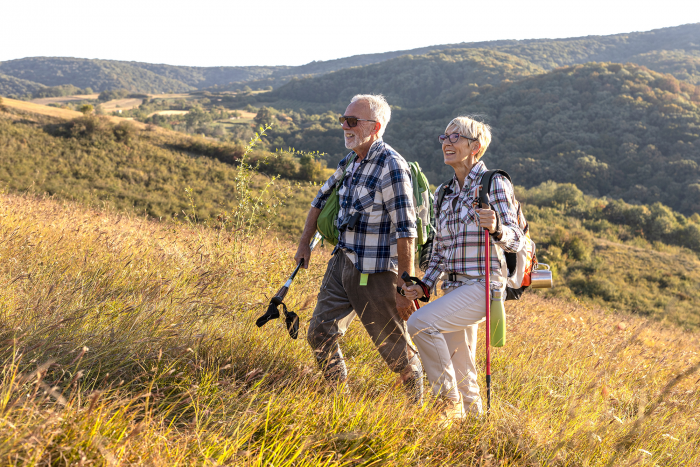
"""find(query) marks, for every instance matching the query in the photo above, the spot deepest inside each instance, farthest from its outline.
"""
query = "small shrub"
(125, 132)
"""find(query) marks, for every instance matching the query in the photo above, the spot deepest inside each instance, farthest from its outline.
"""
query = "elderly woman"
(445, 330)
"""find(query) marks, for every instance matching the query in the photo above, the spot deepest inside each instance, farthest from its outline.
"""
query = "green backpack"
(325, 224)
(425, 216)
(422, 200)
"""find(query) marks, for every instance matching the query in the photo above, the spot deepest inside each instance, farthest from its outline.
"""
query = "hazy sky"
(276, 32)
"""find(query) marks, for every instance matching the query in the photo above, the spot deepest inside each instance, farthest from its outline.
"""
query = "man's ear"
(377, 127)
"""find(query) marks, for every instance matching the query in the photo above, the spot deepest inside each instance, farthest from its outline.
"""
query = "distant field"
(64, 99)
(121, 104)
(41, 109)
(170, 96)
(169, 112)
(244, 115)
(59, 113)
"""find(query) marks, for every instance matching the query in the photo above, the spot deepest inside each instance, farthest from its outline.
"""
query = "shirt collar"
(376, 148)
(475, 174)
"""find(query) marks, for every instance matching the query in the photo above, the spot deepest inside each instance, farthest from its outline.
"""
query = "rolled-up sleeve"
(503, 202)
(327, 188)
(397, 193)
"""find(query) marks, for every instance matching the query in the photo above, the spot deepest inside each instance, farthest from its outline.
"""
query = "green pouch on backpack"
(326, 220)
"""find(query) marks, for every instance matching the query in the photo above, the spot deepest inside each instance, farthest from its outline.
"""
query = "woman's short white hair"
(379, 108)
(467, 126)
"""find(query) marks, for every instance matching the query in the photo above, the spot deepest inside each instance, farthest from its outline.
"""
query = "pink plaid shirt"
(459, 241)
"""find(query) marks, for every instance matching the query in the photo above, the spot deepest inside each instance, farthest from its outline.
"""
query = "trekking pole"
(291, 318)
(487, 253)
(282, 292)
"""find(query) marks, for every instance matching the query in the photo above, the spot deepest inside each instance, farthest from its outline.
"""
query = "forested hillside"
(9, 85)
(613, 130)
(204, 77)
(99, 75)
(411, 81)
(671, 50)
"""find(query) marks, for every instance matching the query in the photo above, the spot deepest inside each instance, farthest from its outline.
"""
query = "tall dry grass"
(132, 342)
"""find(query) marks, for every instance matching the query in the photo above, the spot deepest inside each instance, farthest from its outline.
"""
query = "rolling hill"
(9, 85)
(99, 75)
(614, 130)
(410, 81)
(673, 50)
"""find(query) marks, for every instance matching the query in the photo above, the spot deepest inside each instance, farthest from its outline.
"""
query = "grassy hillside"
(634, 259)
(129, 165)
(130, 341)
(600, 249)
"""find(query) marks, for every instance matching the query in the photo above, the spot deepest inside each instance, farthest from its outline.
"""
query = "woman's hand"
(487, 219)
(413, 292)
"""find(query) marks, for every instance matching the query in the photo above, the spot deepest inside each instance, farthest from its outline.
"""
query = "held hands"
(487, 219)
(413, 292)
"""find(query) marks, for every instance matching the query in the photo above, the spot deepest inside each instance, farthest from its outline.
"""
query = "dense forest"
(410, 81)
(669, 50)
(615, 130)
(11, 86)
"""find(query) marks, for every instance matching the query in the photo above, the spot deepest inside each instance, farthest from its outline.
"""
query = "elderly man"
(377, 224)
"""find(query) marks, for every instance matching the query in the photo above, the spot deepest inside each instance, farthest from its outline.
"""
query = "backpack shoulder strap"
(445, 189)
(338, 183)
(486, 183)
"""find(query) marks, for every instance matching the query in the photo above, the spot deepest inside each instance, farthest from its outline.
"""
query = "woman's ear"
(476, 148)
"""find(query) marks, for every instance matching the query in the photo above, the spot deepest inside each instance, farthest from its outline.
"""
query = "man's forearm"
(405, 249)
(310, 225)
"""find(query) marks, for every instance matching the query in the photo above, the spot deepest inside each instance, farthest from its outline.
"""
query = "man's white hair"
(379, 108)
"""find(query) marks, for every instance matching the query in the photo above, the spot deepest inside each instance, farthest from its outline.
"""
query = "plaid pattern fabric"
(381, 191)
(459, 241)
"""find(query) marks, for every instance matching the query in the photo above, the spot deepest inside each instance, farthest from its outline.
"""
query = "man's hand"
(303, 252)
(487, 219)
(404, 307)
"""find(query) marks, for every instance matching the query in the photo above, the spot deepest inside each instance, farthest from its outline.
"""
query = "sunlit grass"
(132, 342)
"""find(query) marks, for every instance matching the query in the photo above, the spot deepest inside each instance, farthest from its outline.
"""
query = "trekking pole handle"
(282, 292)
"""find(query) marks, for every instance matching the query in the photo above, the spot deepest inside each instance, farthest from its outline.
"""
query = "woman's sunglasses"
(454, 137)
(352, 121)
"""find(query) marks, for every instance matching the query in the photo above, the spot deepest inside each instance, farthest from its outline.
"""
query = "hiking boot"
(334, 369)
(450, 412)
(473, 409)
(413, 384)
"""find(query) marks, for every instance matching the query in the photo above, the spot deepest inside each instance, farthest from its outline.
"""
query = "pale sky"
(276, 32)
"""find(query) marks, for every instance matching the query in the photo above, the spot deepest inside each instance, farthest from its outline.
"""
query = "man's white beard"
(358, 140)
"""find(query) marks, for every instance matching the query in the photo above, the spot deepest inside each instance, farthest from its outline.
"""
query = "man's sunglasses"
(454, 137)
(352, 121)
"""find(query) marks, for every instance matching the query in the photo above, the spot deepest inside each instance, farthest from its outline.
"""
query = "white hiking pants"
(445, 333)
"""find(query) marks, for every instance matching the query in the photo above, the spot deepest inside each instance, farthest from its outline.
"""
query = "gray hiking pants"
(342, 298)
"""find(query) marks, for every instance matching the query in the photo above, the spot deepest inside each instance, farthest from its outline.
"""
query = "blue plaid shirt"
(381, 191)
